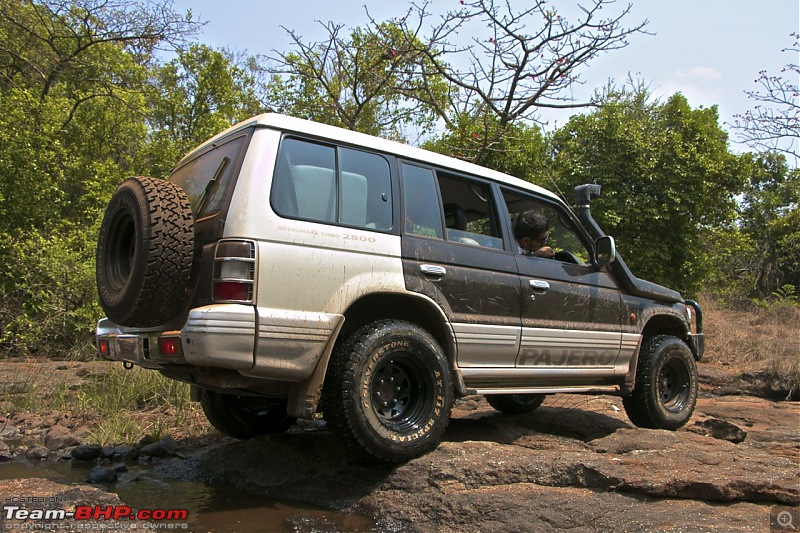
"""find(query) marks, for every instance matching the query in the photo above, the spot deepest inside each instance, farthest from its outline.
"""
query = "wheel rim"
(120, 251)
(674, 384)
(400, 392)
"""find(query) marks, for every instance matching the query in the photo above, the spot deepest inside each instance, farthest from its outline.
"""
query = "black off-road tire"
(388, 392)
(144, 252)
(245, 417)
(665, 393)
(515, 404)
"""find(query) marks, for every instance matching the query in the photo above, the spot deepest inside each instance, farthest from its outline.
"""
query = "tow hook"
(127, 365)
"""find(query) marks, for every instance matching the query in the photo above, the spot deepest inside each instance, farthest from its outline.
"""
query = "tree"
(774, 122)
(61, 48)
(367, 80)
(666, 174)
(521, 151)
(516, 62)
(770, 217)
(72, 115)
(193, 97)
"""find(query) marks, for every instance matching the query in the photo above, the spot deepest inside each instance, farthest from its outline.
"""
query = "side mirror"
(605, 251)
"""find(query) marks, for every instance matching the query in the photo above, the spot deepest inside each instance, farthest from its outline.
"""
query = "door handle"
(433, 270)
(539, 285)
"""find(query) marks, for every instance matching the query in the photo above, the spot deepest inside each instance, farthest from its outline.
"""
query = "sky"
(709, 50)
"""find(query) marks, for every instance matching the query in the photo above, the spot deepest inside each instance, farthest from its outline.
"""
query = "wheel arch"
(665, 325)
(416, 309)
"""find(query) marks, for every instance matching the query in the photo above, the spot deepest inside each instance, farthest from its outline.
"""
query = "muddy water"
(210, 508)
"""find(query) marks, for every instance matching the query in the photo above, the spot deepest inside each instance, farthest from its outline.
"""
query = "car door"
(454, 253)
(571, 313)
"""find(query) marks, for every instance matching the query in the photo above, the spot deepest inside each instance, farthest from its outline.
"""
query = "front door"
(571, 313)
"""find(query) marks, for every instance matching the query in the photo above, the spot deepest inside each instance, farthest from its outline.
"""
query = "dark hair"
(530, 224)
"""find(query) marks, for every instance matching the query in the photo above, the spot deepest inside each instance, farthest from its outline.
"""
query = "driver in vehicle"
(532, 233)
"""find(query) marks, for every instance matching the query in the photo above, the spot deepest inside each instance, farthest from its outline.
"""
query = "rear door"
(454, 252)
(571, 312)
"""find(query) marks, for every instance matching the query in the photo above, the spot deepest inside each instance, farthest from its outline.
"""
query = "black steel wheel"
(515, 404)
(665, 393)
(244, 417)
(388, 392)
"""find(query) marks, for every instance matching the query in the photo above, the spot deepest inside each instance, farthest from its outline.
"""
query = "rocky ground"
(576, 463)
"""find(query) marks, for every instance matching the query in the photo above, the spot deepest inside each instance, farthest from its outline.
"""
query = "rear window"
(207, 179)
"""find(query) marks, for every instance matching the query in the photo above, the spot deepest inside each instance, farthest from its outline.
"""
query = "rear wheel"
(515, 404)
(244, 417)
(665, 393)
(388, 393)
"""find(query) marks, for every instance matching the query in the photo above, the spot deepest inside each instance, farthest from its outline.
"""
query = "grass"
(755, 340)
(116, 405)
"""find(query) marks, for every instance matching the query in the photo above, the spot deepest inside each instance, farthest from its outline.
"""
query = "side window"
(310, 185)
(563, 236)
(366, 184)
(207, 179)
(421, 200)
(469, 213)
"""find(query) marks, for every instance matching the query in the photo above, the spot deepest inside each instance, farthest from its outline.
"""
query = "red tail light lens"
(169, 346)
(231, 290)
(234, 271)
(103, 348)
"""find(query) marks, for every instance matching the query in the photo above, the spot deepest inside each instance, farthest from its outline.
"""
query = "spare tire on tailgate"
(144, 252)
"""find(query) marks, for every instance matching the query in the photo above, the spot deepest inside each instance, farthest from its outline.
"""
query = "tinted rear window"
(207, 179)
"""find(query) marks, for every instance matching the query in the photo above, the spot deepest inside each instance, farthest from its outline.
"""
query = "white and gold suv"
(287, 267)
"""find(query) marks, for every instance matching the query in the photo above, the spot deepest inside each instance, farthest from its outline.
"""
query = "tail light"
(234, 272)
(170, 346)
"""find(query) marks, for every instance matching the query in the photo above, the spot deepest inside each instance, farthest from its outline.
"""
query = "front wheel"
(388, 392)
(244, 417)
(665, 393)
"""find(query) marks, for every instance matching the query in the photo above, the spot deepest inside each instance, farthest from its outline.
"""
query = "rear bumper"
(256, 342)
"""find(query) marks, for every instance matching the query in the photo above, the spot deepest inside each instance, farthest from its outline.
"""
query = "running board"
(610, 389)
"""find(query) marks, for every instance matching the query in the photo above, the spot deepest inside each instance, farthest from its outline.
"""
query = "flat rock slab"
(574, 463)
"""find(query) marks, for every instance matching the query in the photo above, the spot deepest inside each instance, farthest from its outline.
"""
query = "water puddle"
(211, 508)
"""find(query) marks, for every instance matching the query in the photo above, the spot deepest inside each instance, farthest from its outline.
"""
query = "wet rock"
(166, 447)
(37, 453)
(59, 437)
(122, 451)
(144, 441)
(5, 452)
(720, 429)
(107, 452)
(86, 452)
(102, 474)
(120, 468)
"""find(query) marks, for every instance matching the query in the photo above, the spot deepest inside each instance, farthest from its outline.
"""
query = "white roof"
(333, 133)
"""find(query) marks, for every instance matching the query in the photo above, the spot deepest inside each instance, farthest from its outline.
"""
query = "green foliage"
(48, 296)
(666, 174)
(520, 150)
(191, 98)
(770, 216)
